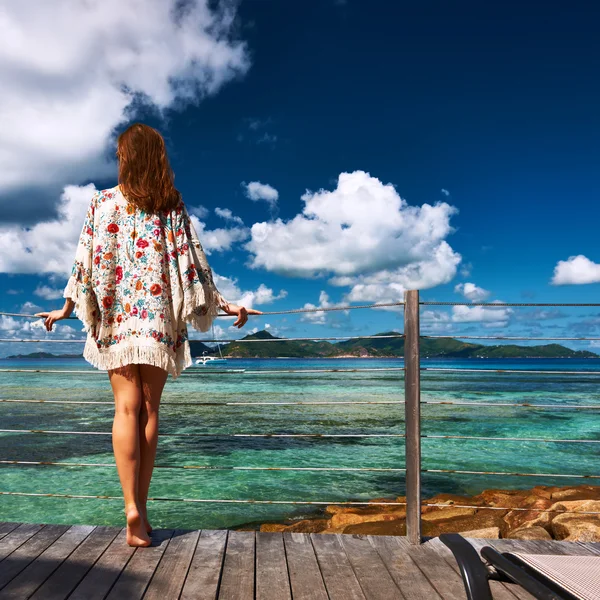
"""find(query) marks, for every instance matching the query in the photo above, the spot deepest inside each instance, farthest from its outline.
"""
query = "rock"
(397, 527)
(489, 533)
(516, 519)
(577, 506)
(507, 498)
(545, 491)
(363, 515)
(304, 526)
(581, 492)
(482, 519)
(447, 499)
(334, 509)
(571, 527)
(444, 514)
(534, 532)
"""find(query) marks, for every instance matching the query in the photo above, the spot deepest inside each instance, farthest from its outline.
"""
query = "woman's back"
(140, 278)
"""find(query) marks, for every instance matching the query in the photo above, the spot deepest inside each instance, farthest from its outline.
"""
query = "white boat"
(204, 360)
(209, 360)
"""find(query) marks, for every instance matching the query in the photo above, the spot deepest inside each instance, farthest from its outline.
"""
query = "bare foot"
(136, 534)
(145, 517)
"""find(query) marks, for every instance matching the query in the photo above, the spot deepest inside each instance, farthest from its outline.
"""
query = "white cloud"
(471, 292)
(576, 270)
(320, 317)
(365, 235)
(49, 247)
(226, 214)
(482, 314)
(255, 190)
(74, 70)
(198, 211)
(45, 291)
(248, 298)
(219, 239)
(445, 192)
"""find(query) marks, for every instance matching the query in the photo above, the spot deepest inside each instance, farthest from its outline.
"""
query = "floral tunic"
(137, 280)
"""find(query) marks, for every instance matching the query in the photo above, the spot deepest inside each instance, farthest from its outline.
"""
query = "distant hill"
(44, 355)
(391, 348)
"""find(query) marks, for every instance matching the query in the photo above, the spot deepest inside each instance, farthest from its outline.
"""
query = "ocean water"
(269, 381)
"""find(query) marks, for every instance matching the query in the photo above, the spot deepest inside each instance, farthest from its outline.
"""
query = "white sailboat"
(209, 360)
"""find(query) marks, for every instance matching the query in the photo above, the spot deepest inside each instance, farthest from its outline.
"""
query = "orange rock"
(366, 514)
(516, 519)
(444, 514)
(573, 527)
(581, 492)
(303, 526)
(529, 533)
(489, 533)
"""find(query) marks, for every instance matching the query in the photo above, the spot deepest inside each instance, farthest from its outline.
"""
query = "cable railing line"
(539, 372)
(494, 304)
(508, 439)
(228, 341)
(207, 467)
(271, 312)
(322, 402)
(319, 435)
(329, 338)
(201, 370)
(299, 402)
(377, 305)
(192, 372)
(246, 468)
(504, 337)
(516, 404)
(485, 507)
(309, 502)
(508, 474)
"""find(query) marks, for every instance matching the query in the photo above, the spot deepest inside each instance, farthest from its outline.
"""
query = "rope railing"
(295, 402)
(325, 402)
(320, 435)
(195, 372)
(206, 467)
(411, 372)
(304, 502)
(244, 468)
(268, 435)
(241, 340)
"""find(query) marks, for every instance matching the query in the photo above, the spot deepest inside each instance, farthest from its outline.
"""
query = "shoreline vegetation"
(377, 346)
(492, 514)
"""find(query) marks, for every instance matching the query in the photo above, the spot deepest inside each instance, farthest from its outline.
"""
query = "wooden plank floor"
(55, 562)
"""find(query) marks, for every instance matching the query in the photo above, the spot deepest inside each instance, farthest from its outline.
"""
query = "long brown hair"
(145, 175)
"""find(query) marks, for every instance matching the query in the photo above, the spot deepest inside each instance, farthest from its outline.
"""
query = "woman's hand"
(52, 317)
(242, 314)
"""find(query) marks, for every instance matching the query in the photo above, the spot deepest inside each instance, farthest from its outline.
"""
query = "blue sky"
(449, 147)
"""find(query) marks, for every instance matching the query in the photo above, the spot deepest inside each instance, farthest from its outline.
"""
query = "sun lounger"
(547, 577)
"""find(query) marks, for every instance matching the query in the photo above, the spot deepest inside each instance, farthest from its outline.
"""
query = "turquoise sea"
(269, 381)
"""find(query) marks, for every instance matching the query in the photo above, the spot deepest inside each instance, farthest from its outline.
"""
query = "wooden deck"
(81, 562)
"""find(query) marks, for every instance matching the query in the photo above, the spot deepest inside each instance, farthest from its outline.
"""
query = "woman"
(139, 277)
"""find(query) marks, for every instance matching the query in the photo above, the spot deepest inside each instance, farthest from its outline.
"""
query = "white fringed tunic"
(137, 280)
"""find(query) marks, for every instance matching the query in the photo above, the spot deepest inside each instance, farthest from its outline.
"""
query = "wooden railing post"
(412, 407)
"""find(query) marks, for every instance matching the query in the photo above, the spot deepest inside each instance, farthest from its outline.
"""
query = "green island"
(385, 347)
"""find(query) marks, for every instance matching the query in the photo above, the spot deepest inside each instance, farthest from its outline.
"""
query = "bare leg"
(153, 381)
(126, 385)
